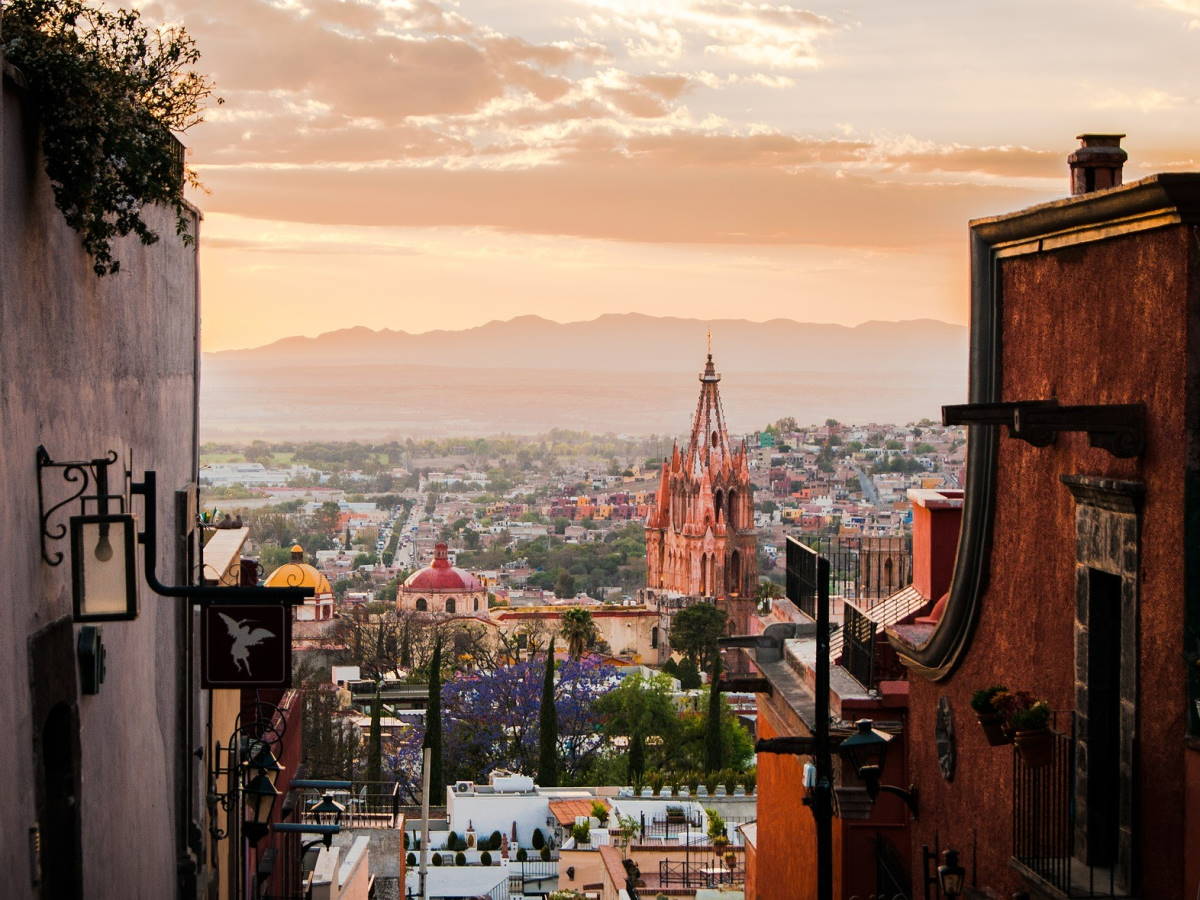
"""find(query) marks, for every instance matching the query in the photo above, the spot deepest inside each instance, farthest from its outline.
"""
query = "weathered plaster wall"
(88, 365)
(1099, 323)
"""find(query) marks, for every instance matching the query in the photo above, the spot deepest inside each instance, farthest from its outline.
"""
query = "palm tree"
(580, 631)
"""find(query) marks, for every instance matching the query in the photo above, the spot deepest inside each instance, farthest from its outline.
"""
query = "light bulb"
(104, 550)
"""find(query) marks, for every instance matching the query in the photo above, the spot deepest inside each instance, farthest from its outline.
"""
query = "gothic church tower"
(700, 536)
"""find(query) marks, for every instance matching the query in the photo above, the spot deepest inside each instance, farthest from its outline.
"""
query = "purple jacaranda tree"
(490, 721)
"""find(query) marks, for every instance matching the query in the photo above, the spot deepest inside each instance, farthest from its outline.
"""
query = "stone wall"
(89, 365)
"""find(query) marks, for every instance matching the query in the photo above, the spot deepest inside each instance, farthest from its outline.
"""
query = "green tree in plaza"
(712, 725)
(579, 630)
(695, 631)
(548, 727)
(688, 675)
(640, 708)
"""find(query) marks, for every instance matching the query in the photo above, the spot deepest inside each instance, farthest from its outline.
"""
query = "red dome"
(441, 576)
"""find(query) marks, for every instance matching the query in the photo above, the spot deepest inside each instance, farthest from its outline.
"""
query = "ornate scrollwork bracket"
(80, 476)
(1118, 428)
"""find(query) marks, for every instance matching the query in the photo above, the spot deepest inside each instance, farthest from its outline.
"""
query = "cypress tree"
(433, 722)
(637, 759)
(375, 740)
(712, 730)
(548, 727)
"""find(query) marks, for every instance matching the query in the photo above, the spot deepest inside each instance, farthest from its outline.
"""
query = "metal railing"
(701, 874)
(369, 804)
(1044, 822)
(801, 574)
(864, 568)
(858, 645)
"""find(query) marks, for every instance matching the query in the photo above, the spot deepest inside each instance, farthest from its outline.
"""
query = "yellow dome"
(298, 574)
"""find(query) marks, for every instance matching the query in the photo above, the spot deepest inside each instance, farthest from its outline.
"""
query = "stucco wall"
(1100, 323)
(88, 365)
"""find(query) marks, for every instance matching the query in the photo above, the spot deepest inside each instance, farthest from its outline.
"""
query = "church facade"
(700, 536)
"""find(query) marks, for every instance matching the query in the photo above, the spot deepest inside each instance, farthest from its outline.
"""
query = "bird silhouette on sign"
(244, 637)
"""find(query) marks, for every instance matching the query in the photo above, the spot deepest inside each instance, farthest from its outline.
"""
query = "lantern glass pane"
(103, 563)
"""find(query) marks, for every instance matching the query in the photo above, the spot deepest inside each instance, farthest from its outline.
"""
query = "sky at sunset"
(416, 165)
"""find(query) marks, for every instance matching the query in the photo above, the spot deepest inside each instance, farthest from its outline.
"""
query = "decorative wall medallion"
(944, 737)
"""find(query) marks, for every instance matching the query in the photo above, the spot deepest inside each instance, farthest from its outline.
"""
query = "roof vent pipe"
(1097, 163)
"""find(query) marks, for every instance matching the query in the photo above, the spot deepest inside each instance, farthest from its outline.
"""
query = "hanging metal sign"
(246, 645)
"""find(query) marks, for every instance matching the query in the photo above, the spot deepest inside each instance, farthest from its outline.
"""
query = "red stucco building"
(1076, 573)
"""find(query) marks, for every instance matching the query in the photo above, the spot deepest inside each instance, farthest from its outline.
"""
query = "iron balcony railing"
(801, 573)
(369, 804)
(704, 873)
(864, 568)
(1044, 822)
(858, 645)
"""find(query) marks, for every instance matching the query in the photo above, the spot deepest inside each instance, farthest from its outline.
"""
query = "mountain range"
(622, 373)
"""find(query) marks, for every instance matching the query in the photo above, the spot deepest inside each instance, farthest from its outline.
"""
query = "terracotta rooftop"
(565, 811)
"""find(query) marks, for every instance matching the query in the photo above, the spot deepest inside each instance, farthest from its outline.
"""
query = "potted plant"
(581, 833)
(600, 812)
(1028, 720)
(990, 718)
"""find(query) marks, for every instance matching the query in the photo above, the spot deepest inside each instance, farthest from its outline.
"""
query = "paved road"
(868, 486)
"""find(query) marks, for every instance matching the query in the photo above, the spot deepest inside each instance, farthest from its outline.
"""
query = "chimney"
(937, 515)
(1097, 163)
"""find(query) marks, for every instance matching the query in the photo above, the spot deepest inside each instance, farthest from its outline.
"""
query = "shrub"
(460, 858)
(522, 855)
(600, 811)
(539, 839)
(109, 91)
(485, 858)
(581, 833)
(497, 841)
(452, 841)
(982, 699)
(545, 854)
(437, 859)
(411, 859)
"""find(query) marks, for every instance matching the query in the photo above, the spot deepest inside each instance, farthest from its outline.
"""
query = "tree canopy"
(695, 631)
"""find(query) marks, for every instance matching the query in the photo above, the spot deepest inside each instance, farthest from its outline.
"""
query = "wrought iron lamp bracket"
(81, 475)
(236, 755)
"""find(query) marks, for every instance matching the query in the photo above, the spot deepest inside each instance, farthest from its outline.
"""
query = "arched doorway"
(422, 605)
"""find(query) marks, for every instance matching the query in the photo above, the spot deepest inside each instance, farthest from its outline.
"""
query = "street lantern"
(865, 751)
(103, 568)
(262, 759)
(951, 875)
(259, 795)
(327, 810)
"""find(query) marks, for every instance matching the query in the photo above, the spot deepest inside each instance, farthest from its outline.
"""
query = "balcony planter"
(1029, 721)
(1035, 747)
(991, 720)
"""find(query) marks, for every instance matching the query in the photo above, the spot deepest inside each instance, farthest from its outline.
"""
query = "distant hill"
(625, 373)
(634, 342)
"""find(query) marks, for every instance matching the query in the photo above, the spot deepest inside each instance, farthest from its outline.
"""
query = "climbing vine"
(109, 92)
